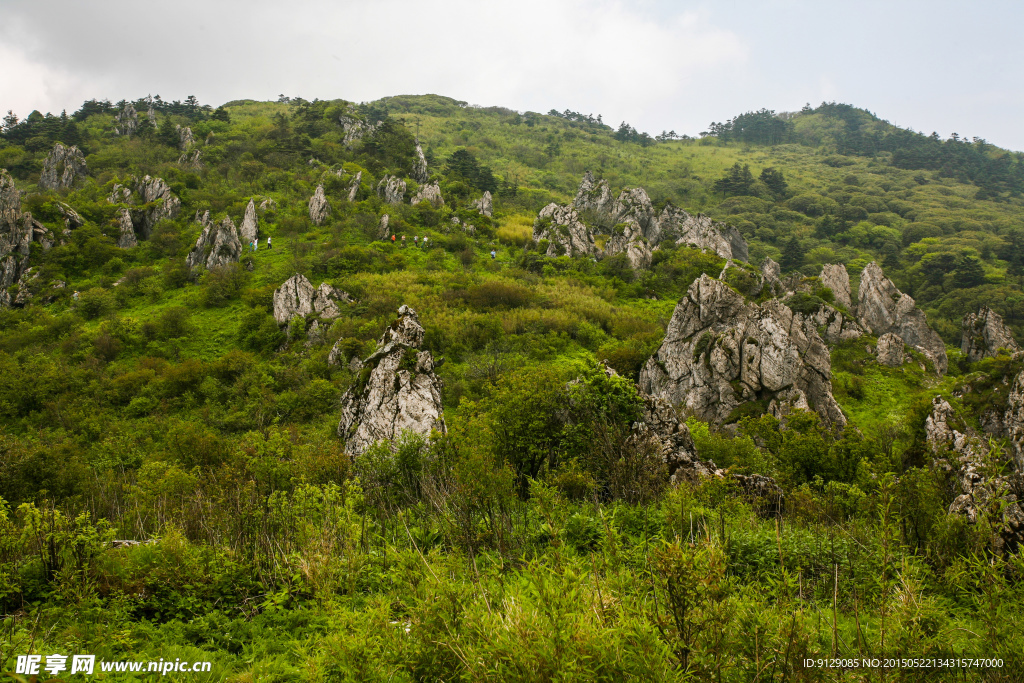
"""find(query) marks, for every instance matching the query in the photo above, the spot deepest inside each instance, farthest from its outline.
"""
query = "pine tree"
(792, 255)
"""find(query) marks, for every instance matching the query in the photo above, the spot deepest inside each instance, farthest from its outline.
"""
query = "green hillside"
(168, 405)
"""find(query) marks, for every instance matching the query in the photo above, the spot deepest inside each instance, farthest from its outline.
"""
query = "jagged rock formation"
(595, 197)
(960, 450)
(297, 297)
(890, 350)
(397, 390)
(218, 245)
(720, 351)
(250, 228)
(268, 204)
(701, 232)
(354, 187)
(564, 231)
(18, 231)
(419, 166)
(833, 325)
(126, 239)
(155, 190)
(62, 167)
(120, 194)
(837, 279)
(391, 189)
(191, 159)
(984, 334)
(1013, 421)
(429, 193)
(484, 205)
(354, 129)
(319, 207)
(71, 218)
(185, 138)
(126, 121)
(383, 232)
(884, 308)
(629, 239)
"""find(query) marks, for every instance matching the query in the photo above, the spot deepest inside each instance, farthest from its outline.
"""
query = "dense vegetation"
(523, 545)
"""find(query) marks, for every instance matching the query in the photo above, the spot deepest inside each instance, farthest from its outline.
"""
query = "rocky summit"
(985, 335)
(62, 167)
(218, 245)
(396, 391)
(563, 233)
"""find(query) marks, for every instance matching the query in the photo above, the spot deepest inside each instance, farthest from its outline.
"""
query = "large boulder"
(883, 308)
(353, 188)
(391, 189)
(218, 245)
(419, 166)
(383, 229)
(484, 205)
(250, 228)
(635, 205)
(429, 193)
(396, 391)
(835, 277)
(564, 231)
(191, 159)
(319, 207)
(126, 238)
(62, 167)
(185, 138)
(126, 121)
(159, 203)
(721, 351)
(628, 238)
(984, 334)
(890, 350)
(297, 297)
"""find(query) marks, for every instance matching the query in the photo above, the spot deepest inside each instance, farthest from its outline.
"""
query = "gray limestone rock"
(1013, 421)
(890, 350)
(191, 159)
(126, 121)
(428, 193)
(353, 189)
(397, 390)
(984, 334)
(297, 297)
(391, 189)
(62, 167)
(835, 277)
(833, 325)
(484, 205)
(882, 308)
(71, 218)
(594, 198)
(10, 202)
(565, 232)
(319, 207)
(218, 245)
(457, 224)
(250, 228)
(185, 138)
(354, 129)
(268, 204)
(121, 194)
(628, 238)
(159, 201)
(419, 166)
(126, 239)
(721, 351)
(701, 232)
(383, 231)
(336, 357)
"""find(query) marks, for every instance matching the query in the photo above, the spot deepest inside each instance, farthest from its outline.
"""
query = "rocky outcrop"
(635, 205)
(1013, 421)
(700, 232)
(218, 245)
(71, 218)
(428, 193)
(484, 205)
(564, 231)
(353, 188)
(383, 231)
(833, 325)
(250, 228)
(397, 390)
(126, 121)
(268, 204)
(297, 297)
(126, 238)
(890, 351)
(593, 197)
(457, 224)
(721, 351)
(191, 159)
(354, 130)
(837, 279)
(18, 230)
(155, 192)
(185, 138)
(319, 207)
(62, 167)
(980, 490)
(391, 189)
(883, 308)
(419, 166)
(628, 238)
(984, 334)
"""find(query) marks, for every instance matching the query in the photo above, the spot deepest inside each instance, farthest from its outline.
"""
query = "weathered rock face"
(126, 239)
(71, 218)
(419, 166)
(833, 325)
(191, 159)
(701, 232)
(126, 121)
(185, 138)
(837, 279)
(484, 205)
(10, 202)
(383, 231)
(18, 231)
(720, 351)
(354, 129)
(397, 390)
(1013, 421)
(631, 242)
(297, 297)
(250, 229)
(960, 450)
(565, 232)
(391, 189)
(353, 189)
(890, 350)
(984, 334)
(429, 193)
(635, 205)
(883, 308)
(268, 204)
(168, 206)
(218, 245)
(62, 167)
(593, 197)
(319, 207)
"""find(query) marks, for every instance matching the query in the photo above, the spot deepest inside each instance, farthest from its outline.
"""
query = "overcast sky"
(660, 65)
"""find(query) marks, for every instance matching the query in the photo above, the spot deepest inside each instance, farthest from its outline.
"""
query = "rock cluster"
(564, 231)
(250, 228)
(397, 390)
(354, 129)
(883, 308)
(62, 167)
(720, 351)
(484, 205)
(18, 230)
(126, 121)
(297, 297)
(319, 207)
(218, 245)
(628, 238)
(126, 237)
(835, 277)
(353, 189)
(383, 231)
(890, 350)
(191, 159)
(429, 193)
(984, 334)
(185, 137)
(593, 196)
(419, 166)
(152, 190)
(391, 189)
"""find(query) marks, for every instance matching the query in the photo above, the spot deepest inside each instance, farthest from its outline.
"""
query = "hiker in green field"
(269, 245)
